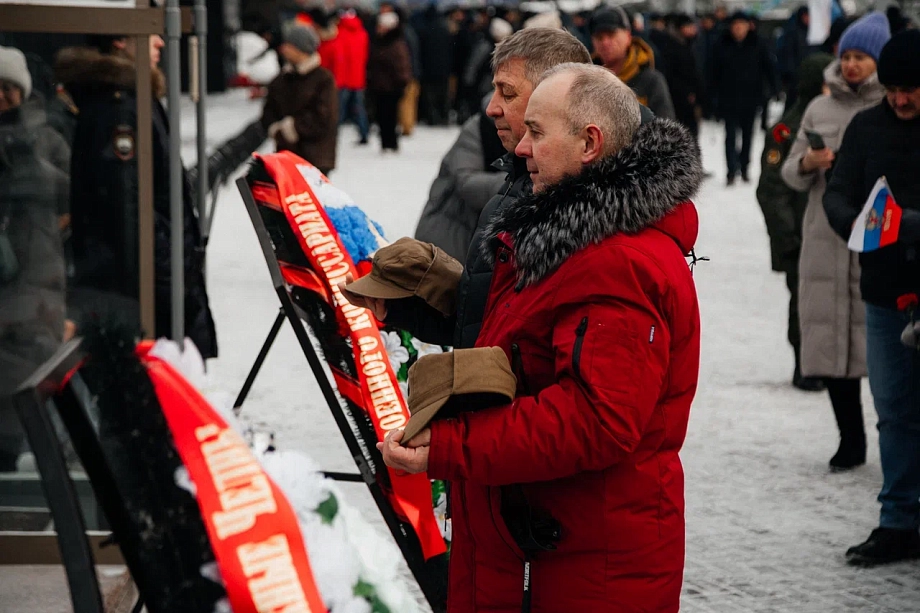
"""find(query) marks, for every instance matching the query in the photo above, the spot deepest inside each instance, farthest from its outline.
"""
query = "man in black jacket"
(630, 58)
(684, 77)
(884, 141)
(741, 64)
(436, 49)
(518, 63)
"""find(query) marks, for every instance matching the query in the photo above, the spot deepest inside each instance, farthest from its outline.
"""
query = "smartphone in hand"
(815, 140)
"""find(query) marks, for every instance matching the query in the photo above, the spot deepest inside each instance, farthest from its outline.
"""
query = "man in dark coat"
(741, 64)
(631, 59)
(684, 78)
(302, 109)
(104, 207)
(783, 208)
(518, 63)
(435, 48)
(709, 33)
(792, 50)
(884, 141)
(389, 71)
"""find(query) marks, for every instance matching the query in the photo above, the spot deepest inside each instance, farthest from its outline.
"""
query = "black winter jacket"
(741, 74)
(435, 47)
(877, 144)
(104, 206)
(461, 330)
(684, 81)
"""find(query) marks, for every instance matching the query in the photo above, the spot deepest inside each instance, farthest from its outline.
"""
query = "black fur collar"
(84, 68)
(627, 192)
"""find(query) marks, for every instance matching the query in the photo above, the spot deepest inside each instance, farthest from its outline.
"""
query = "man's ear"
(594, 144)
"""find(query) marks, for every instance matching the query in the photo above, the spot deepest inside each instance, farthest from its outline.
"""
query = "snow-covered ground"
(767, 524)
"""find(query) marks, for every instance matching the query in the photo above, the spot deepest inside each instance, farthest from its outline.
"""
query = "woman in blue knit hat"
(831, 312)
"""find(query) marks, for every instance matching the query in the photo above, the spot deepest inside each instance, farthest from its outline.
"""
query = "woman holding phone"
(831, 312)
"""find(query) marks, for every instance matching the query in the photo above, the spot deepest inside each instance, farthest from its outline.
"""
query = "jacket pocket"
(517, 366)
(579, 342)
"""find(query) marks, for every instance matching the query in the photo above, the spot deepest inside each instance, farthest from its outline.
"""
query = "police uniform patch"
(774, 157)
(781, 133)
(123, 143)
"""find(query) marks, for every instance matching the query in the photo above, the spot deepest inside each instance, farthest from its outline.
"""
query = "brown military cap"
(467, 379)
(410, 268)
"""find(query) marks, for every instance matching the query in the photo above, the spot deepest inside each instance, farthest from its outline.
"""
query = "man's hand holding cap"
(468, 378)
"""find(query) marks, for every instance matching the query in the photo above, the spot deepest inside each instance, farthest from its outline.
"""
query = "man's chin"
(508, 141)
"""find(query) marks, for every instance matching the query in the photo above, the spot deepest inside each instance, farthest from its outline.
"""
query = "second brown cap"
(469, 378)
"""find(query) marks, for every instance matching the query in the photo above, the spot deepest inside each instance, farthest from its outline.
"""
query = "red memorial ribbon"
(380, 395)
(254, 531)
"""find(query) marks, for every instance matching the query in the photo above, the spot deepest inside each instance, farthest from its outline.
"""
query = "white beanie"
(500, 29)
(13, 69)
(388, 21)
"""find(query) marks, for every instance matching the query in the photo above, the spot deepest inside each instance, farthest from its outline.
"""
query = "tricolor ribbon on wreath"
(377, 390)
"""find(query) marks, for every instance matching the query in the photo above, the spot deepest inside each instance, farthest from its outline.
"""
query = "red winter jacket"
(331, 56)
(331, 48)
(354, 43)
(594, 304)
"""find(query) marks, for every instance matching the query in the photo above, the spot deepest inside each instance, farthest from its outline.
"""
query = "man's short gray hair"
(598, 97)
(541, 49)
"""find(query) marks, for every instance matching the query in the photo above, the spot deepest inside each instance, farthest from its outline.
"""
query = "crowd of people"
(855, 122)
(437, 62)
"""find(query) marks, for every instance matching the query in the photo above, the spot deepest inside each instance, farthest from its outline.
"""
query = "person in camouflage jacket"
(783, 208)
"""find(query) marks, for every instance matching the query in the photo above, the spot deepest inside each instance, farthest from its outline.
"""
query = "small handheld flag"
(879, 222)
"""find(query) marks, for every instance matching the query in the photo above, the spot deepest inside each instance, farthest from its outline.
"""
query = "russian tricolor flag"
(878, 224)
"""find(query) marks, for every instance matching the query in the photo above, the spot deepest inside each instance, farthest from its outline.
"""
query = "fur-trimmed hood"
(83, 69)
(625, 193)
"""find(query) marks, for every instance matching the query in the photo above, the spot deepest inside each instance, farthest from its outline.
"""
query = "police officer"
(104, 208)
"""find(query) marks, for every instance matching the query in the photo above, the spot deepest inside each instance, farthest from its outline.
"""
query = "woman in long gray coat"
(831, 312)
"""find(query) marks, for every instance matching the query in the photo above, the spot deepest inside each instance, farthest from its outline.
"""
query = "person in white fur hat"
(18, 107)
(15, 80)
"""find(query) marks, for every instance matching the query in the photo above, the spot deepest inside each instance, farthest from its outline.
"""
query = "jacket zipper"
(517, 364)
(528, 592)
(579, 341)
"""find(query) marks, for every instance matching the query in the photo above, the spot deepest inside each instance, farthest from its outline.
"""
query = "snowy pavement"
(767, 524)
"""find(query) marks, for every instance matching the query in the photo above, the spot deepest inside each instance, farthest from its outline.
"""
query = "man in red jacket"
(575, 490)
